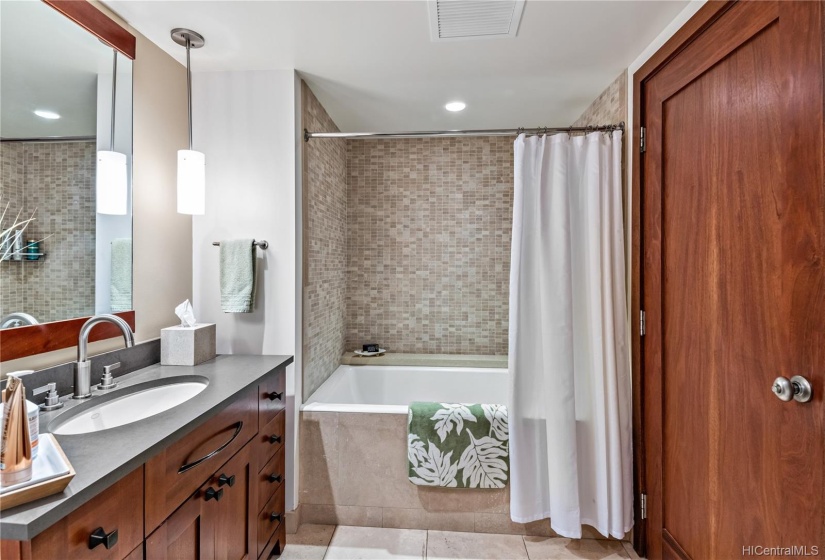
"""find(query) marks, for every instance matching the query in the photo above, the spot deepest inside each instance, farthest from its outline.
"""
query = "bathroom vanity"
(204, 479)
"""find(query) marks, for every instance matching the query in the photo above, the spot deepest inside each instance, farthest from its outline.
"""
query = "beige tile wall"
(325, 246)
(429, 244)
(57, 179)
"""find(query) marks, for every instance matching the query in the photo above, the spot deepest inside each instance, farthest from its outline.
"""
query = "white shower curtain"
(570, 411)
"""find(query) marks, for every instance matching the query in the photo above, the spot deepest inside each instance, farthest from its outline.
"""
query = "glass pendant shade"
(191, 182)
(112, 183)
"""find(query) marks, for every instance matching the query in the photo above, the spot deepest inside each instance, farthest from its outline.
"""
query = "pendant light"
(191, 164)
(112, 174)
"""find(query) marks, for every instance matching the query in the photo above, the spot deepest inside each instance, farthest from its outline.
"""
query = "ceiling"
(48, 62)
(374, 68)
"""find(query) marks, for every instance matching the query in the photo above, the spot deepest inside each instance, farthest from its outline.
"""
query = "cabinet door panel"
(69, 537)
(235, 519)
(188, 533)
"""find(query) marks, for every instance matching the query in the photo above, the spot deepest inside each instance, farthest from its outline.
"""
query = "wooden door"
(189, 533)
(235, 521)
(733, 284)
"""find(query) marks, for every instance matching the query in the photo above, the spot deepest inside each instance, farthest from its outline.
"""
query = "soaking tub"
(390, 389)
(353, 452)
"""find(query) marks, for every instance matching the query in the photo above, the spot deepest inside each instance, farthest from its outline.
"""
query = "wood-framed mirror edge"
(22, 342)
(96, 22)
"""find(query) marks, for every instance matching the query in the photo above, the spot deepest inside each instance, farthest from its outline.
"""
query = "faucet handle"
(107, 370)
(52, 399)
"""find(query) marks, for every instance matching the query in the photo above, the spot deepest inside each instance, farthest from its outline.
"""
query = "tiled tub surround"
(428, 244)
(325, 246)
(57, 178)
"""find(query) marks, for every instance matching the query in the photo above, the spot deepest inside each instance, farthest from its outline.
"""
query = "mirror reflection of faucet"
(83, 366)
(18, 319)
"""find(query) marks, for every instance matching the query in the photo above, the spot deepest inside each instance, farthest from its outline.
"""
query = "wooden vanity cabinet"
(230, 505)
(217, 521)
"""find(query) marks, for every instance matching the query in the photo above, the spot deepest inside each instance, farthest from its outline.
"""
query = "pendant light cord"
(114, 89)
(189, 90)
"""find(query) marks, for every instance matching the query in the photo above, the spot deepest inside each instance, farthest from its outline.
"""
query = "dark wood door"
(235, 521)
(733, 285)
(189, 533)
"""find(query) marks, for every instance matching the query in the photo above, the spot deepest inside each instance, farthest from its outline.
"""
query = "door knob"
(797, 388)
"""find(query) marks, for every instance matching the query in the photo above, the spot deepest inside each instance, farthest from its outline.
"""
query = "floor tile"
(628, 547)
(474, 546)
(555, 548)
(309, 543)
(370, 543)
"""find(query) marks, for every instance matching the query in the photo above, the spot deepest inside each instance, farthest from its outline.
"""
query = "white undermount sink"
(134, 404)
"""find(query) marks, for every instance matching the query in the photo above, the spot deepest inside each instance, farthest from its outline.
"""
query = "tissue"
(186, 314)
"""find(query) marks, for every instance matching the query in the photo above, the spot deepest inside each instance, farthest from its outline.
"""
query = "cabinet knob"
(275, 478)
(274, 516)
(223, 479)
(99, 536)
(274, 395)
(212, 494)
(274, 439)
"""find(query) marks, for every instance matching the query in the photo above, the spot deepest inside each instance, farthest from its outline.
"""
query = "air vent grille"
(452, 20)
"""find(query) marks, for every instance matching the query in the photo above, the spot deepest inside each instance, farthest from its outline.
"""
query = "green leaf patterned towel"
(458, 445)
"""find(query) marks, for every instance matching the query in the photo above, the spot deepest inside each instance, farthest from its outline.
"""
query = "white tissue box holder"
(187, 346)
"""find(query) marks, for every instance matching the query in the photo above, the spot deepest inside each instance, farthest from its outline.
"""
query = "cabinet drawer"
(117, 511)
(268, 523)
(270, 439)
(272, 395)
(270, 478)
(180, 469)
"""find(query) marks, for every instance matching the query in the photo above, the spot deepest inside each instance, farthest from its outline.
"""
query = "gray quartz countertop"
(102, 458)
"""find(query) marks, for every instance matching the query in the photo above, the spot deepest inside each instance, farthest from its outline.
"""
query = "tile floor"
(328, 542)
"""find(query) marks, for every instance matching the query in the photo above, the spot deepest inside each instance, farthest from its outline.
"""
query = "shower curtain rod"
(457, 133)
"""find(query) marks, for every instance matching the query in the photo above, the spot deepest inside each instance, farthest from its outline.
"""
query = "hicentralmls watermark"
(780, 551)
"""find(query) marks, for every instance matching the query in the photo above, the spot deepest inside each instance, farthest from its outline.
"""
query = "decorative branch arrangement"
(9, 234)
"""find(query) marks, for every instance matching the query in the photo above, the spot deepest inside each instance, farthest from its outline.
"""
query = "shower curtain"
(570, 404)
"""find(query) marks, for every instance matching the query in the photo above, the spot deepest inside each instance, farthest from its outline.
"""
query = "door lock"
(797, 388)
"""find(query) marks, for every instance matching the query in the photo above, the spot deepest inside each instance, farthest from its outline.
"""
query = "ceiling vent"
(461, 20)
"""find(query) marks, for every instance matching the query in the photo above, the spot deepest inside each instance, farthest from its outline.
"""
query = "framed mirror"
(65, 172)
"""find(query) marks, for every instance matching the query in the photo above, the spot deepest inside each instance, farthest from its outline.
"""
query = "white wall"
(246, 125)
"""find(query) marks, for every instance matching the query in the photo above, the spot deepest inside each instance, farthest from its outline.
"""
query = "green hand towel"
(458, 445)
(237, 276)
(120, 295)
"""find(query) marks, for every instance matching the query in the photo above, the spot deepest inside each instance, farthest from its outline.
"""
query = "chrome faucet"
(83, 366)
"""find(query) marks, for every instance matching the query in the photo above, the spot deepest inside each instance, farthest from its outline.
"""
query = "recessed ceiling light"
(455, 106)
(46, 114)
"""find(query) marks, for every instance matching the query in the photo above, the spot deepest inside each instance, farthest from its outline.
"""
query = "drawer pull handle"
(99, 536)
(223, 479)
(194, 464)
(275, 395)
(212, 494)
(275, 478)
(274, 516)
(274, 439)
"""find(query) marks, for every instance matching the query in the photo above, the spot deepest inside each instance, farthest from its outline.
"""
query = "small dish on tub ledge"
(363, 354)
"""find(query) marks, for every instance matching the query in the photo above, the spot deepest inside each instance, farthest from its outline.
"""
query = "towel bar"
(262, 244)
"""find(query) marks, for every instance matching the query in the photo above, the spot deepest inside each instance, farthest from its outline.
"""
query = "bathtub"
(390, 389)
(353, 452)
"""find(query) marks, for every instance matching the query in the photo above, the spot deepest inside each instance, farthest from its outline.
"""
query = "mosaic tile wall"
(325, 246)
(429, 244)
(58, 179)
